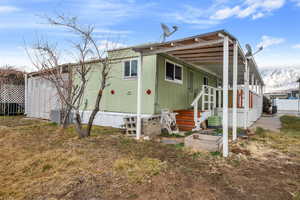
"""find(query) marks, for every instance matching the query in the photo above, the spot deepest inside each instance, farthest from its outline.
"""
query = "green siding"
(175, 96)
(125, 97)
(164, 94)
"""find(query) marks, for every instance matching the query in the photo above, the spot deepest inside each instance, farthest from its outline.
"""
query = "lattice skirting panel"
(12, 99)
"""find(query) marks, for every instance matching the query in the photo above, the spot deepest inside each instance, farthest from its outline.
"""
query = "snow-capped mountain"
(280, 78)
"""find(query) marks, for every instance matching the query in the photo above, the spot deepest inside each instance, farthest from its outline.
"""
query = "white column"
(225, 95)
(139, 99)
(246, 94)
(26, 94)
(234, 98)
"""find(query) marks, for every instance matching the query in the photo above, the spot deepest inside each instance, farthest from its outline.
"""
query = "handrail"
(197, 98)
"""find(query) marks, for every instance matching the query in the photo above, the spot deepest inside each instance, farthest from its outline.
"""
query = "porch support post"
(246, 94)
(26, 94)
(139, 99)
(234, 98)
(225, 95)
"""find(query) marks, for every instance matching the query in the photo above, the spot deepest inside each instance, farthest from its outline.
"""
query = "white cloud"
(192, 15)
(105, 45)
(250, 8)
(110, 12)
(221, 10)
(8, 9)
(296, 46)
(267, 41)
(111, 31)
(226, 13)
(297, 2)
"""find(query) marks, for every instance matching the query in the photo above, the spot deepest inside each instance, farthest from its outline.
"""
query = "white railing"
(209, 101)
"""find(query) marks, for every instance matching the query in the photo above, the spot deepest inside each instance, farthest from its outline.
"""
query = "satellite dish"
(167, 32)
(250, 52)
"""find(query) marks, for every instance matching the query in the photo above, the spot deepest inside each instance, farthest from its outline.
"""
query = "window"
(173, 72)
(205, 80)
(130, 68)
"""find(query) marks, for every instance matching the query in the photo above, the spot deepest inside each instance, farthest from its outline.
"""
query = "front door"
(190, 87)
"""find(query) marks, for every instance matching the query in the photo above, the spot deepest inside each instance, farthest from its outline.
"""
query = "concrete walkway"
(271, 123)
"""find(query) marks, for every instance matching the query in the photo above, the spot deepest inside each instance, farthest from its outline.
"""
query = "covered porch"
(238, 95)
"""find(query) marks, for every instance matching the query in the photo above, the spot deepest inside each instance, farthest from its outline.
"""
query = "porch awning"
(205, 52)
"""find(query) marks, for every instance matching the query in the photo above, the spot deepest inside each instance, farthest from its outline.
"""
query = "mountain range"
(280, 78)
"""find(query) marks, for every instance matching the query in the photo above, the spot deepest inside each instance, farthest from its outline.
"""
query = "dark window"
(130, 68)
(169, 71)
(173, 72)
(127, 69)
(205, 81)
(178, 73)
(134, 68)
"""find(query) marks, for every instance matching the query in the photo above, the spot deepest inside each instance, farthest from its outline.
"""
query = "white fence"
(287, 104)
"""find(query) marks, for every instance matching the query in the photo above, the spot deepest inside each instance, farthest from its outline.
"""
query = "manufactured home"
(195, 77)
(181, 76)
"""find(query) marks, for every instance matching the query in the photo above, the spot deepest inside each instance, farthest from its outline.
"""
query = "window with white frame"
(130, 68)
(173, 72)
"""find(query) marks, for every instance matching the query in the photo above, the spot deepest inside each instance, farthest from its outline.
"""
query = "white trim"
(225, 94)
(234, 96)
(191, 46)
(123, 69)
(139, 98)
(175, 80)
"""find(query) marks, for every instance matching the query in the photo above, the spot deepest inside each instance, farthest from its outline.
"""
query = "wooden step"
(184, 117)
(185, 127)
(185, 122)
(186, 112)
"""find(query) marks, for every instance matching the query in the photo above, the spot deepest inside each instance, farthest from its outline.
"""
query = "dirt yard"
(39, 161)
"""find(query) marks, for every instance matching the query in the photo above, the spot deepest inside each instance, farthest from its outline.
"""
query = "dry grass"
(287, 141)
(138, 171)
(40, 161)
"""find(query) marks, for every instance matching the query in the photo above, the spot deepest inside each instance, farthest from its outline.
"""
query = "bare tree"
(71, 90)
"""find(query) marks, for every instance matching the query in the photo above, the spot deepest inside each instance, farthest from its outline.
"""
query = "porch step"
(185, 119)
(185, 122)
(186, 112)
(185, 127)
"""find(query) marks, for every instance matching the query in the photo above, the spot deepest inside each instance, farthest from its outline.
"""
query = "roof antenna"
(167, 32)
(250, 52)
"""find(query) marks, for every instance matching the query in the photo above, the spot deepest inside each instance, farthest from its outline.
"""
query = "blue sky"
(271, 23)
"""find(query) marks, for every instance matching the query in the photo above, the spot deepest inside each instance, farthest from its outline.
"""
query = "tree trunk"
(78, 125)
(65, 120)
(94, 112)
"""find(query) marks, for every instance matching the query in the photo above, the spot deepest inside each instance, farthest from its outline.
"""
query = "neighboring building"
(41, 95)
(286, 100)
(277, 95)
(283, 94)
(11, 91)
(293, 94)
